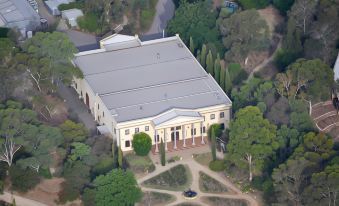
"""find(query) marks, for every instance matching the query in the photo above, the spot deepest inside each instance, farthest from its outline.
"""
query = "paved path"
(20, 201)
(73, 103)
(164, 12)
(195, 168)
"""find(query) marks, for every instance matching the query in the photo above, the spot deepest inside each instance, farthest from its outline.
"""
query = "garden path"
(20, 201)
(195, 168)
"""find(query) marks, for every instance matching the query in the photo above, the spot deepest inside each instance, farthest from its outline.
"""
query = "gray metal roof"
(174, 114)
(148, 80)
(18, 13)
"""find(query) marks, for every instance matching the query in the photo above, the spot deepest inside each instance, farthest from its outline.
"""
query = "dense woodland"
(272, 143)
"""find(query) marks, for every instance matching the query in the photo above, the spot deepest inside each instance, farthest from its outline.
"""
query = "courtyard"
(165, 184)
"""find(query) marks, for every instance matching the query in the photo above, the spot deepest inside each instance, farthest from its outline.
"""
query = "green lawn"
(210, 185)
(177, 178)
(218, 201)
(139, 165)
(203, 159)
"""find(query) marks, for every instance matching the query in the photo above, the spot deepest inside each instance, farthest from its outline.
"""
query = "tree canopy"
(195, 20)
(243, 32)
(308, 79)
(53, 51)
(252, 140)
(117, 188)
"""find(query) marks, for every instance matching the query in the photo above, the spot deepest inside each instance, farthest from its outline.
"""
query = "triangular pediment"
(177, 117)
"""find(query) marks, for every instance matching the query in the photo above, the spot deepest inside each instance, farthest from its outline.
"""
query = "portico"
(179, 125)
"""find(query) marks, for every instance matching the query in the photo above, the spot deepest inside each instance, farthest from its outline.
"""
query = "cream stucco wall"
(103, 117)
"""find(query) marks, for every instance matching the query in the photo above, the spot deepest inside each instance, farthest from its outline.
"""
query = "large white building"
(156, 87)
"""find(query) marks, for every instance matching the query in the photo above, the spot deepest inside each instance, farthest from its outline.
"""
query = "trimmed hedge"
(72, 5)
(217, 165)
(142, 143)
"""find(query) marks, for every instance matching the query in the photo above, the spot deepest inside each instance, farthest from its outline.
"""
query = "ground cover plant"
(177, 178)
(139, 165)
(210, 185)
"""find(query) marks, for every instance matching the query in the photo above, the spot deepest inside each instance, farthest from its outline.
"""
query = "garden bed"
(156, 198)
(210, 185)
(139, 165)
(177, 178)
(218, 201)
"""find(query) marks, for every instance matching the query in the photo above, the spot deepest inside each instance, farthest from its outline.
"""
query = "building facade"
(156, 87)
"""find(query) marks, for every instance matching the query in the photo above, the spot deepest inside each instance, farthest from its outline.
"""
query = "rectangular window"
(146, 128)
(115, 131)
(127, 143)
(76, 85)
(103, 114)
(222, 114)
(98, 107)
(137, 130)
(203, 129)
(212, 116)
(127, 132)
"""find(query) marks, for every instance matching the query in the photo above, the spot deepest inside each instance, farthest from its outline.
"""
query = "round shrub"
(142, 143)
(217, 165)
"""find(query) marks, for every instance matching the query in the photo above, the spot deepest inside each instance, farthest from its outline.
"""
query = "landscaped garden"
(203, 159)
(177, 178)
(223, 201)
(156, 198)
(140, 165)
(210, 185)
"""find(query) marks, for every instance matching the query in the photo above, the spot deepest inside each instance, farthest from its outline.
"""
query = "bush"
(88, 22)
(88, 198)
(23, 180)
(217, 130)
(142, 143)
(104, 166)
(254, 4)
(72, 5)
(283, 5)
(44, 172)
(284, 58)
(237, 74)
(217, 165)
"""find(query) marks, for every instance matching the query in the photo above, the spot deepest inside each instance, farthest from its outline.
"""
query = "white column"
(201, 132)
(175, 138)
(184, 135)
(165, 135)
(118, 137)
(156, 141)
(192, 130)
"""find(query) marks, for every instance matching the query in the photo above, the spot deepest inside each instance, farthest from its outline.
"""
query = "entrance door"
(87, 100)
(177, 134)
